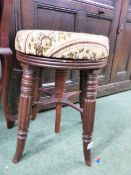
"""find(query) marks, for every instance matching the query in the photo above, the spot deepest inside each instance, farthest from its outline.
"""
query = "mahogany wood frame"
(88, 85)
(6, 57)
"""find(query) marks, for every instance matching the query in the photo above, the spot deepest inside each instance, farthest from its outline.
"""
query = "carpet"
(47, 153)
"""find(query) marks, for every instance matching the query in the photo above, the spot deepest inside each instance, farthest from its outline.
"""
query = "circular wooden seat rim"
(60, 63)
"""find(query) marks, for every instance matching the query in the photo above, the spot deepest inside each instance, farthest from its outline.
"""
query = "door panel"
(122, 57)
(54, 20)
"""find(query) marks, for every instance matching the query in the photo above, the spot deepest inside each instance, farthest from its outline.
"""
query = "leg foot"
(58, 117)
(19, 150)
(10, 124)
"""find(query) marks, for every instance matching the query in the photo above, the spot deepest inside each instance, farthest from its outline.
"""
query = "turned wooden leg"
(7, 67)
(36, 97)
(60, 79)
(91, 80)
(25, 104)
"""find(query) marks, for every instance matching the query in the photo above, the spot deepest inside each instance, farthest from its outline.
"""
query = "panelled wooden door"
(121, 70)
(96, 16)
(107, 17)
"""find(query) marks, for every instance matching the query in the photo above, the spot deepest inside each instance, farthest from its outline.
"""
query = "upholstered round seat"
(59, 44)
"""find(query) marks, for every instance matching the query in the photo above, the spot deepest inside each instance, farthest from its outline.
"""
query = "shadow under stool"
(62, 51)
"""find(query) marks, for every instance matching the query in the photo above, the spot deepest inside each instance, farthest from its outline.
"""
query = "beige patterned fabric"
(58, 44)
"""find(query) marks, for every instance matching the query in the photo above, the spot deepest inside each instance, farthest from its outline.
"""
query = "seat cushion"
(59, 44)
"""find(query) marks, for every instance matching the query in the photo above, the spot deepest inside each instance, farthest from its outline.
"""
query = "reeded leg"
(7, 67)
(38, 84)
(89, 113)
(60, 79)
(25, 103)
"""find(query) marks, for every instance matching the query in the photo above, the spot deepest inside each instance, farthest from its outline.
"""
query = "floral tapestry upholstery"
(59, 44)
